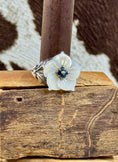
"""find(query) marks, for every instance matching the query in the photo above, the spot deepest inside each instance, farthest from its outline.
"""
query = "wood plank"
(108, 159)
(20, 79)
(81, 124)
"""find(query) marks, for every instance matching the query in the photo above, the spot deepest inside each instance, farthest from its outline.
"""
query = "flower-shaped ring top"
(61, 73)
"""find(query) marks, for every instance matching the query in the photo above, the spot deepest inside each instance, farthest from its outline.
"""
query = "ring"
(59, 72)
(37, 71)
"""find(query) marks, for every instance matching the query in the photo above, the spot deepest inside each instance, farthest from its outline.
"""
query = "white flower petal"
(67, 85)
(74, 71)
(50, 67)
(63, 60)
(52, 82)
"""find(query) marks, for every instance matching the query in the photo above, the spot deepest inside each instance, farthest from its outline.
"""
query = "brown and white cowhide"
(94, 37)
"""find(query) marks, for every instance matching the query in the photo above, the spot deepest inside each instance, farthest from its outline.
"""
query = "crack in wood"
(62, 125)
(60, 118)
(70, 123)
(95, 117)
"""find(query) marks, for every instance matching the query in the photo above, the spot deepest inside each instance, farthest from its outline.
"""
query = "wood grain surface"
(37, 122)
(20, 79)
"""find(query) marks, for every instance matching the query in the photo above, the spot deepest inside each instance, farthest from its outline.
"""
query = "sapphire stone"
(62, 73)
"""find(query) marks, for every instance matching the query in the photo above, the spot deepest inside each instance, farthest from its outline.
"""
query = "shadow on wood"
(108, 159)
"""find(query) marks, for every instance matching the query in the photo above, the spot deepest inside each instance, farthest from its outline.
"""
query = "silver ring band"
(37, 71)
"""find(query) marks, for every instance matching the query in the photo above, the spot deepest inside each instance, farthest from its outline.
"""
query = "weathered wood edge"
(24, 79)
(108, 159)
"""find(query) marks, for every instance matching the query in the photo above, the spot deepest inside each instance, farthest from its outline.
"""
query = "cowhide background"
(94, 37)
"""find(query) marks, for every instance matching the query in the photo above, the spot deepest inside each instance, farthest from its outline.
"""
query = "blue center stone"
(62, 73)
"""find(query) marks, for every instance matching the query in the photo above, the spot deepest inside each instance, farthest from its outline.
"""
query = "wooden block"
(24, 79)
(36, 122)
